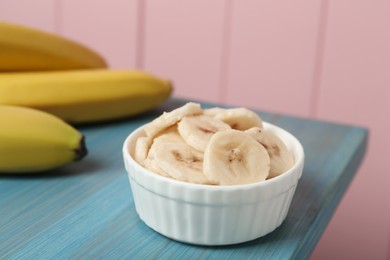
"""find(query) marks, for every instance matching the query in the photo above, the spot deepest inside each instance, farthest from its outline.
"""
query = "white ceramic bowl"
(212, 215)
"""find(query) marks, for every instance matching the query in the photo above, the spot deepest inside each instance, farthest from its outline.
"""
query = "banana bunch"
(69, 80)
(47, 143)
(46, 72)
(213, 146)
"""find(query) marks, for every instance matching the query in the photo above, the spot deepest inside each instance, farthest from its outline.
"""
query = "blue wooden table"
(86, 209)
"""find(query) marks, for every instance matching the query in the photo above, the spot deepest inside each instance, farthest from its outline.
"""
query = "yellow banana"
(85, 95)
(32, 140)
(26, 49)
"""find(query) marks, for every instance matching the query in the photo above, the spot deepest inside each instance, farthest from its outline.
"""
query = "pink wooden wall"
(320, 59)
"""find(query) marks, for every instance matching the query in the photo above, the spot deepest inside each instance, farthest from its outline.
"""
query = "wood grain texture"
(109, 27)
(86, 210)
(183, 41)
(273, 54)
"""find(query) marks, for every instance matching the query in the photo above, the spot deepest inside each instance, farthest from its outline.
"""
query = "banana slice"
(179, 161)
(171, 157)
(168, 119)
(144, 143)
(256, 132)
(151, 165)
(197, 130)
(233, 157)
(169, 135)
(237, 118)
(213, 111)
(281, 159)
(141, 149)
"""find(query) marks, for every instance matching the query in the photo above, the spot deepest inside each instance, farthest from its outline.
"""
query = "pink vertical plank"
(37, 14)
(109, 27)
(183, 42)
(354, 89)
(272, 54)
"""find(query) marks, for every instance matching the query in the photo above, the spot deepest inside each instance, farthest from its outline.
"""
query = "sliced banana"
(215, 146)
(164, 158)
(238, 118)
(197, 130)
(151, 165)
(179, 161)
(233, 157)
(169, 135)
(256, 133)
(281, 159)
(141, 149)
(213, 111)
(168, 119)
